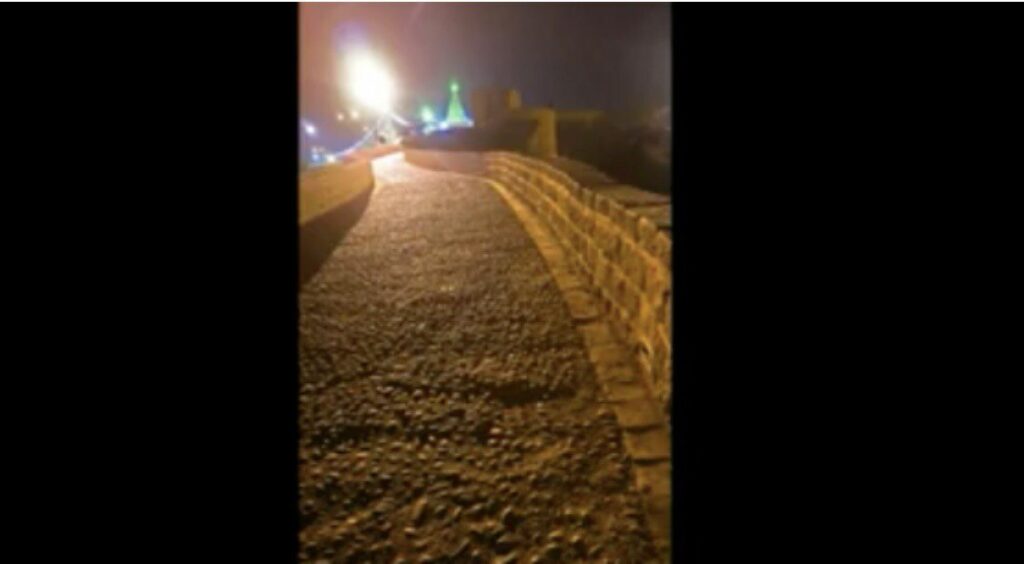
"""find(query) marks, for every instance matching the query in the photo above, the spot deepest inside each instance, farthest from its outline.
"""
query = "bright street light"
(370, 82)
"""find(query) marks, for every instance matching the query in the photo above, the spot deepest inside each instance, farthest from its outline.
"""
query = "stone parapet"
(618, 238)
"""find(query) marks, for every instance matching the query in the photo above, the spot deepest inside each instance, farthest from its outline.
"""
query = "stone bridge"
(485, 368)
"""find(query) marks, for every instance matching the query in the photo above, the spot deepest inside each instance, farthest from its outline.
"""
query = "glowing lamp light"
(370, 83)
(310, 129)
(427, 115)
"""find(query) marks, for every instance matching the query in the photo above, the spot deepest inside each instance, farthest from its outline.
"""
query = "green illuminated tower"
(456, 115)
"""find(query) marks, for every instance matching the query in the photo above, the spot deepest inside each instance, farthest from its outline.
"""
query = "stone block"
(660, 216)
(610, 247)
(617, 373)
(580, 243)
(582, 305)
(623, 391)
(617, 214)
(649, 445)
(658, 247)
(574, 191)
(600, 270)
(645, 320)
(611, 354)
(573, 213)
(645, 231)
(638, 414)
(567, 280)
(588, 198)
(590, 253)
(661, 249)
(627, 222)
(587, 223)
(630, 196)
(632, 262)
(654, 479)
(658, 508)
(615, 283)
(667, 319)
(631, 300)
(655, 280)
(596, 334)
(660, 350)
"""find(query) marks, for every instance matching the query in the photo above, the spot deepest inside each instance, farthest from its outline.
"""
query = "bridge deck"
(447, 402)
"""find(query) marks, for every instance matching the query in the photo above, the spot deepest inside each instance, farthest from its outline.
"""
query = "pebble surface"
(447, 407)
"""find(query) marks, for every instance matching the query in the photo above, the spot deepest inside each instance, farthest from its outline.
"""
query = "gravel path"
(447, 403)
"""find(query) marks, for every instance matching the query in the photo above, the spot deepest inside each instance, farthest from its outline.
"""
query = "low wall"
(617, 237)
(619, 242)
(371, 153)
(464, 162)
(331, 199)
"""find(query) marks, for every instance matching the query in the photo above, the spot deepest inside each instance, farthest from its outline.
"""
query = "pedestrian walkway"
(448, 407)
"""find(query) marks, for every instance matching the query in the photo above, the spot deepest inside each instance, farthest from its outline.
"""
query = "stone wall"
(464, 162)
(617, 240)
(617, 237)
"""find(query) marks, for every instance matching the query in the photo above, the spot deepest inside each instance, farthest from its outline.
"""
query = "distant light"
(331, 158)
(427, 114)
(370, 83)
(454, 86)
(443, 125)
(341, 116)
(355, 114)
(310, 130)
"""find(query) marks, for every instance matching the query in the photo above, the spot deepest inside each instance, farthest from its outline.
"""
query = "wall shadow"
(319, 236)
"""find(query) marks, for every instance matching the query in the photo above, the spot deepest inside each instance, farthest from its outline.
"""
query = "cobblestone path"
(447, 403)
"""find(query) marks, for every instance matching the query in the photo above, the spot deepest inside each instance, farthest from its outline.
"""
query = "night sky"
(601, 56)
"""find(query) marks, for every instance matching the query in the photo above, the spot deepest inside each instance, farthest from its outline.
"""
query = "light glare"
(370, 83)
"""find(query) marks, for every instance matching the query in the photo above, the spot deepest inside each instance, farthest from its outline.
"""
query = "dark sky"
(604, 56)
